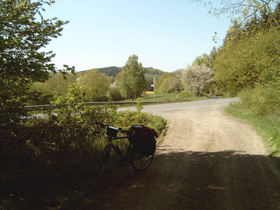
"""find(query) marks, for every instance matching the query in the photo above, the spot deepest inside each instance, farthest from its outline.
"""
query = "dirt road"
(207, 160)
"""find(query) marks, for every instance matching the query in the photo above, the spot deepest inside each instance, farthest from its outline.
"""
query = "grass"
(150, 97)
(167, 97)
(267, 126)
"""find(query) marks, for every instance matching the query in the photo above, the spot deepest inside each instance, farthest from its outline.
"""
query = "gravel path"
(207, 160)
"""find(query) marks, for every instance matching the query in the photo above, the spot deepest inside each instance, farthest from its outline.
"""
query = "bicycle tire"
(104, 160)
(140, 162)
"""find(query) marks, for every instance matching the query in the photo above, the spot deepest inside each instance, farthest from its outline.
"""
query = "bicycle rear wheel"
(140, 162)
(104, 160)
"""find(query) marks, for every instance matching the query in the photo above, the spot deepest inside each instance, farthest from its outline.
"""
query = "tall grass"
(260, 107)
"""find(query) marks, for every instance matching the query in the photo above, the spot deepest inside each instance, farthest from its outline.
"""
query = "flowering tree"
(197, 77)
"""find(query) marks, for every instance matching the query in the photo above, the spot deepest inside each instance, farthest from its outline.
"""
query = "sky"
(164, 34)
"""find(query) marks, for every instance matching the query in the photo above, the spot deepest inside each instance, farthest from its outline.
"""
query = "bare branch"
(238, 9)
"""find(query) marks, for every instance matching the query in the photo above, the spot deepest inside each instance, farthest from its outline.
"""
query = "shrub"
(186, 94)
(114, 93)
(65, 147)
(263, 99)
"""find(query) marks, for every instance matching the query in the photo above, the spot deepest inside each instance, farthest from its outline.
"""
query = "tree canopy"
(23, 35)
(242, 10)
(250, 55)
(132, 81)
(195, 78)
(206, 59)
(169, 82)
(95, 85)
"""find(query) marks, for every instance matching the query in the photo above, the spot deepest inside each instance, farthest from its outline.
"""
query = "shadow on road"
(201, 180)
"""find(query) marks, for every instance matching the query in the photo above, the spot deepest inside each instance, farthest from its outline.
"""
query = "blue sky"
(164, 34)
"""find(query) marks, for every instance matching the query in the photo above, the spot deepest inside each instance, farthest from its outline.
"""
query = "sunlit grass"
(267, 126)
(149, 96)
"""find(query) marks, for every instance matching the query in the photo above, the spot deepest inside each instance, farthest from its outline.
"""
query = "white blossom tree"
(196, 77)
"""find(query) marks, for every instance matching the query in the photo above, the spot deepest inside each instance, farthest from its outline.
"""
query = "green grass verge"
(168, 98)
(267, 126)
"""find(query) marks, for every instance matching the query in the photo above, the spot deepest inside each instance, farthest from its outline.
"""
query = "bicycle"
(138, 161)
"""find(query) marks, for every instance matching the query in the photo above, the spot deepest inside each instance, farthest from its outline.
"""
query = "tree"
(206, 59)
(118, 79)
(95, 85)
(254, 60)
(114, 93)
(196, 78)
(23, 36)
(202, 60)
(132, 83)
(246, 8)
(169, 82)
(240, 11)
(59, 83)
(249, 57)
(44, 92)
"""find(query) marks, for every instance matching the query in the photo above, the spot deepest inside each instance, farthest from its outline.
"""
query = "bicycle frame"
(137, 161)
(116, 148)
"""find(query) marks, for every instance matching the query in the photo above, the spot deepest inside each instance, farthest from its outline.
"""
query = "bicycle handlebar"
(106, 126)
(101, 124)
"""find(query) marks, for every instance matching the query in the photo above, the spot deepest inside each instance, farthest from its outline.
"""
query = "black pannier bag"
(143, 139)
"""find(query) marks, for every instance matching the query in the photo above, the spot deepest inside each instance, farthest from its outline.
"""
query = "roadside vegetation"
(260, 107)
(54, 162)
(248, 66)
(267, 126)
(151, 97)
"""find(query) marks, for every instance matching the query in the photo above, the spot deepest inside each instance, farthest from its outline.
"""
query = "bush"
(114, 94)
(125, 119)
(186, 94)
(264, 99)
(65, 147)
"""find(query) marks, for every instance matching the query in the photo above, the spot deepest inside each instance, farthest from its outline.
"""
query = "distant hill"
(112, 71)
(151, 70)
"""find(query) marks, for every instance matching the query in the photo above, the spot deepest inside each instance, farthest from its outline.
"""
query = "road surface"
(207, 160)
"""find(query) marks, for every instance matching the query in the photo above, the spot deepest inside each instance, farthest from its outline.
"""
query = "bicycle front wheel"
(140, 162)
(104, 161)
